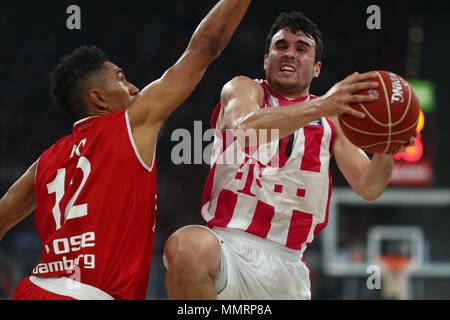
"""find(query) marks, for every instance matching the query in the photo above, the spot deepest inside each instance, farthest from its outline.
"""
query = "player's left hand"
(410, 143)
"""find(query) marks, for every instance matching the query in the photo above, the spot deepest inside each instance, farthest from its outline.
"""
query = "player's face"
(118, 92)
(290, 64)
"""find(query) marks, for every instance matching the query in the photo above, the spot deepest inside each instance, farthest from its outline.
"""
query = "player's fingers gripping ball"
(390, 121)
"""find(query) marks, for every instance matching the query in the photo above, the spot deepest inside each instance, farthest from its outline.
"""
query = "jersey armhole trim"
(36, 169)
(130, 135)
(35, 175)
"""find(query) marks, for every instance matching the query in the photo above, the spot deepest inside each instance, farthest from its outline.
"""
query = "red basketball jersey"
(96, 208)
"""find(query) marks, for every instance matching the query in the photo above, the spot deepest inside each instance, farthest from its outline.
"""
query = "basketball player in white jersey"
(261, 221)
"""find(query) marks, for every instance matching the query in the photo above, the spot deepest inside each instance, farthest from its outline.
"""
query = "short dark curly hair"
(296, 21)
(74, 75)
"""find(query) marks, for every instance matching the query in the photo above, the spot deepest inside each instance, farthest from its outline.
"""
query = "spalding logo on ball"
(390, 120)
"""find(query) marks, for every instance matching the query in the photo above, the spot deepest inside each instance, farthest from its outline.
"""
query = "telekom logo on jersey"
(228, 147)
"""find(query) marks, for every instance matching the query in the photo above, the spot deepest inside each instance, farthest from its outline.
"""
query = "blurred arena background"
(412, 219)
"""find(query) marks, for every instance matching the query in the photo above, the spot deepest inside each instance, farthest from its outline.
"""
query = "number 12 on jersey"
(57, 187)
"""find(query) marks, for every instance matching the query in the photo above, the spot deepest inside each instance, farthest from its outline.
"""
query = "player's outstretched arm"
(161, 97)
(241, 99)
(18, 202)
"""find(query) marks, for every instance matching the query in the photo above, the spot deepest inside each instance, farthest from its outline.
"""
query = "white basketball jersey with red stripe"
(290, 206)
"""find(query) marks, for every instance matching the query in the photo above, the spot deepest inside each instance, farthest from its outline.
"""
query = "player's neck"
(287, 93)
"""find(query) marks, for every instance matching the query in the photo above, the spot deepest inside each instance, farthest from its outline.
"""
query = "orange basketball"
(390, 120)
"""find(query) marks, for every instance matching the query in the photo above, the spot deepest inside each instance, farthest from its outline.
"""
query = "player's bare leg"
(192, 256)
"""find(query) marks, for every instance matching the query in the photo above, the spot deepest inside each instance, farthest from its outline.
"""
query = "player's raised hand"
(337, 100)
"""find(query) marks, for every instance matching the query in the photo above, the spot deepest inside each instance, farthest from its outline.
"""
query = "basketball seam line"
(406, 109)
(388, 105)
(378, 143)
(387, 124)
(378, 134)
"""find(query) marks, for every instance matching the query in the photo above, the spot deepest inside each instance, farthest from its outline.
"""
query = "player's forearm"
(3, 228)
(4, 225)
(285, 120)
(6, 215)
(215, 31)
(18, 202)
(13, 209)
(375, 178)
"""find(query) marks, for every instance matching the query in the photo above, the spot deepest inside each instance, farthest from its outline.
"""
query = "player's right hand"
(337, 100)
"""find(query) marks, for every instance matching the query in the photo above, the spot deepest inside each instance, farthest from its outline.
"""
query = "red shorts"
(26, 290)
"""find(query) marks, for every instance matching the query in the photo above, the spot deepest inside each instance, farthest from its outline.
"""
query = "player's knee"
(193, 248)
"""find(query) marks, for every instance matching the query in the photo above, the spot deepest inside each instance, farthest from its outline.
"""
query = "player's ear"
(95, 97)
(317, 67)
(265, 62)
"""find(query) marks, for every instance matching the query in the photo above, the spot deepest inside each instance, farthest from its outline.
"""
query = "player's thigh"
(251, 272)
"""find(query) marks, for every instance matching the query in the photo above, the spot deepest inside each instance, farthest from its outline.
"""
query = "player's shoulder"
(245, 79)
(56, 150)
(118, 115)
(83, 124)
(245, 84)
(60, 143)
(101, 123)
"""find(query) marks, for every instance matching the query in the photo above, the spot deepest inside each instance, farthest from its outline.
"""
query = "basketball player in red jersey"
(95, 191)
(260, 220)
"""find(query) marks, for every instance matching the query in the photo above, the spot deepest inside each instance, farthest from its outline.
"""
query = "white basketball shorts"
(254, 268)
